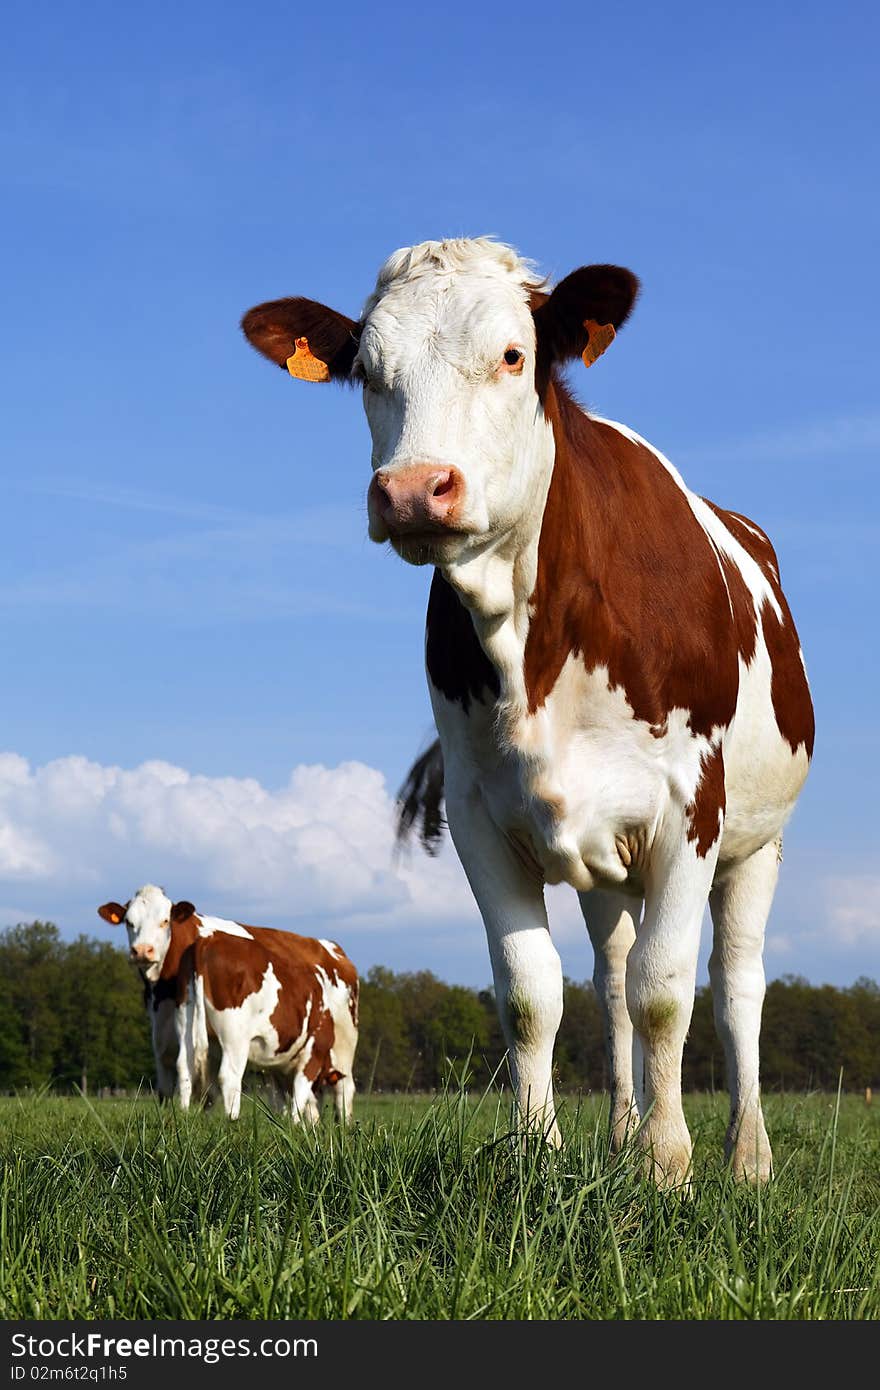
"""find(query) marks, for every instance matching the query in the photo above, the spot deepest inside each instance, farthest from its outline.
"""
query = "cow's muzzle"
(420, 499)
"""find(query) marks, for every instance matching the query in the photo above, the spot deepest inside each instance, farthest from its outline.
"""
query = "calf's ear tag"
(601, 336)
(115, 918)
(305, 365)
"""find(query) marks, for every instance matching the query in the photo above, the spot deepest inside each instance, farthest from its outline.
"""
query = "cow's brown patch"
(322, 1033)
(789, 690)
(628, 580)
(707, 808)
(742, 607)
(457, 664)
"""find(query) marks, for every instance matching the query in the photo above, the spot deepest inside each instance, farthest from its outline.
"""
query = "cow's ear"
(182, 911)
(313, 342)
(112, 913)
(582, 315)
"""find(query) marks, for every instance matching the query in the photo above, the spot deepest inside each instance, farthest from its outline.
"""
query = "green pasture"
(427, 1208)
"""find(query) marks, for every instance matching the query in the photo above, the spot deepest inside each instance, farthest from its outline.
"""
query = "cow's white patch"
(209, 925)
(336, 997)
(579, 775)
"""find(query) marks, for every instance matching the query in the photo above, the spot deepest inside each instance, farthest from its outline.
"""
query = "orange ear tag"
(602, 335)
(114, 919)
(305, 365)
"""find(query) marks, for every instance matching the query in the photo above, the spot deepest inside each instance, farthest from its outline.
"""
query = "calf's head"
(147, 920)
(453, 352)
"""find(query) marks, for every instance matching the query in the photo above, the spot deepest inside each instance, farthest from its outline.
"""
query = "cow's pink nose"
(420, 497)
(143, 953)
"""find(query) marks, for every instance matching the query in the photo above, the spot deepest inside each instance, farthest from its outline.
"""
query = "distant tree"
(579, 1056)
(31, 963)
(72, 1015)
(106, 1039)
(383, 1059)
(703, 1062)
(14, 1071)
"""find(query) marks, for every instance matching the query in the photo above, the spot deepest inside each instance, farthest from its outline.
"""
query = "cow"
(616, 678)
(158, 967)
(287, 1004)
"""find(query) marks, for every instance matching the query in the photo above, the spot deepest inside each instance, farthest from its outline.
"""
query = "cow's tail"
(420, 801)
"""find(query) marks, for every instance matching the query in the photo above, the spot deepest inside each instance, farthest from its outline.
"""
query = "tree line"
(72, 1016)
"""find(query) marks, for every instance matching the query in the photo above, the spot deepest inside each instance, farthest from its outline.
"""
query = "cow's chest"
(578, 786)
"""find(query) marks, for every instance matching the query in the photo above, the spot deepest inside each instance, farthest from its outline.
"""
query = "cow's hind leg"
(611, 922)
(740, 903)
(660, 978)
(343, 1099)
(525, 964)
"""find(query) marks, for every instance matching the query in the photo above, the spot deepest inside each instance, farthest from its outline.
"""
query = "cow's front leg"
(611, 922)
(660, 981)
(185, 1053)
(525, 964)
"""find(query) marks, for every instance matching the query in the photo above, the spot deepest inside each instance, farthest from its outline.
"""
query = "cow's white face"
(147, 920)
(447, 362)
(454, 349)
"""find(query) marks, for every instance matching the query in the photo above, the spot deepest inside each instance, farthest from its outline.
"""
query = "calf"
(616, 677)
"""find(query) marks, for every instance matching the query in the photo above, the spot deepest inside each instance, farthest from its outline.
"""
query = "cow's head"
(147, 919)
(453, 350)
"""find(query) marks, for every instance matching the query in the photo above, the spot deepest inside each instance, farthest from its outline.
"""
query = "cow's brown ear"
(182, 911)
(313, 342)
(582, 315)
(112, 913)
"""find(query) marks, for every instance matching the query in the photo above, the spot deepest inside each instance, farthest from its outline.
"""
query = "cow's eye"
(513, 360)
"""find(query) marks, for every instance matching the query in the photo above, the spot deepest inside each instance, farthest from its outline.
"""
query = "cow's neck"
(495, 586)
(183, 934)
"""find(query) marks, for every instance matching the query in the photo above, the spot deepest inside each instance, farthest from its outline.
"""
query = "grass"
(427, 1209)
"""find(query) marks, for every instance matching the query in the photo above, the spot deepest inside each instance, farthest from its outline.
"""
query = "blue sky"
(185, 578)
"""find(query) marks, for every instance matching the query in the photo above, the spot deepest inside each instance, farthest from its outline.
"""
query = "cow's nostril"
(445, 485)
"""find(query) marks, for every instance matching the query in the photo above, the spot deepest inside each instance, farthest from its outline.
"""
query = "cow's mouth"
(425, 547)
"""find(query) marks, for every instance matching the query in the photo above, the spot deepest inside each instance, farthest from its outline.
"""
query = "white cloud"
(77, 832)
(317, 855)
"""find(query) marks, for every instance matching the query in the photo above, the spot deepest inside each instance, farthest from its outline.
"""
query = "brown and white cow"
(283, 1003)
(158, 965)
(616, 678)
